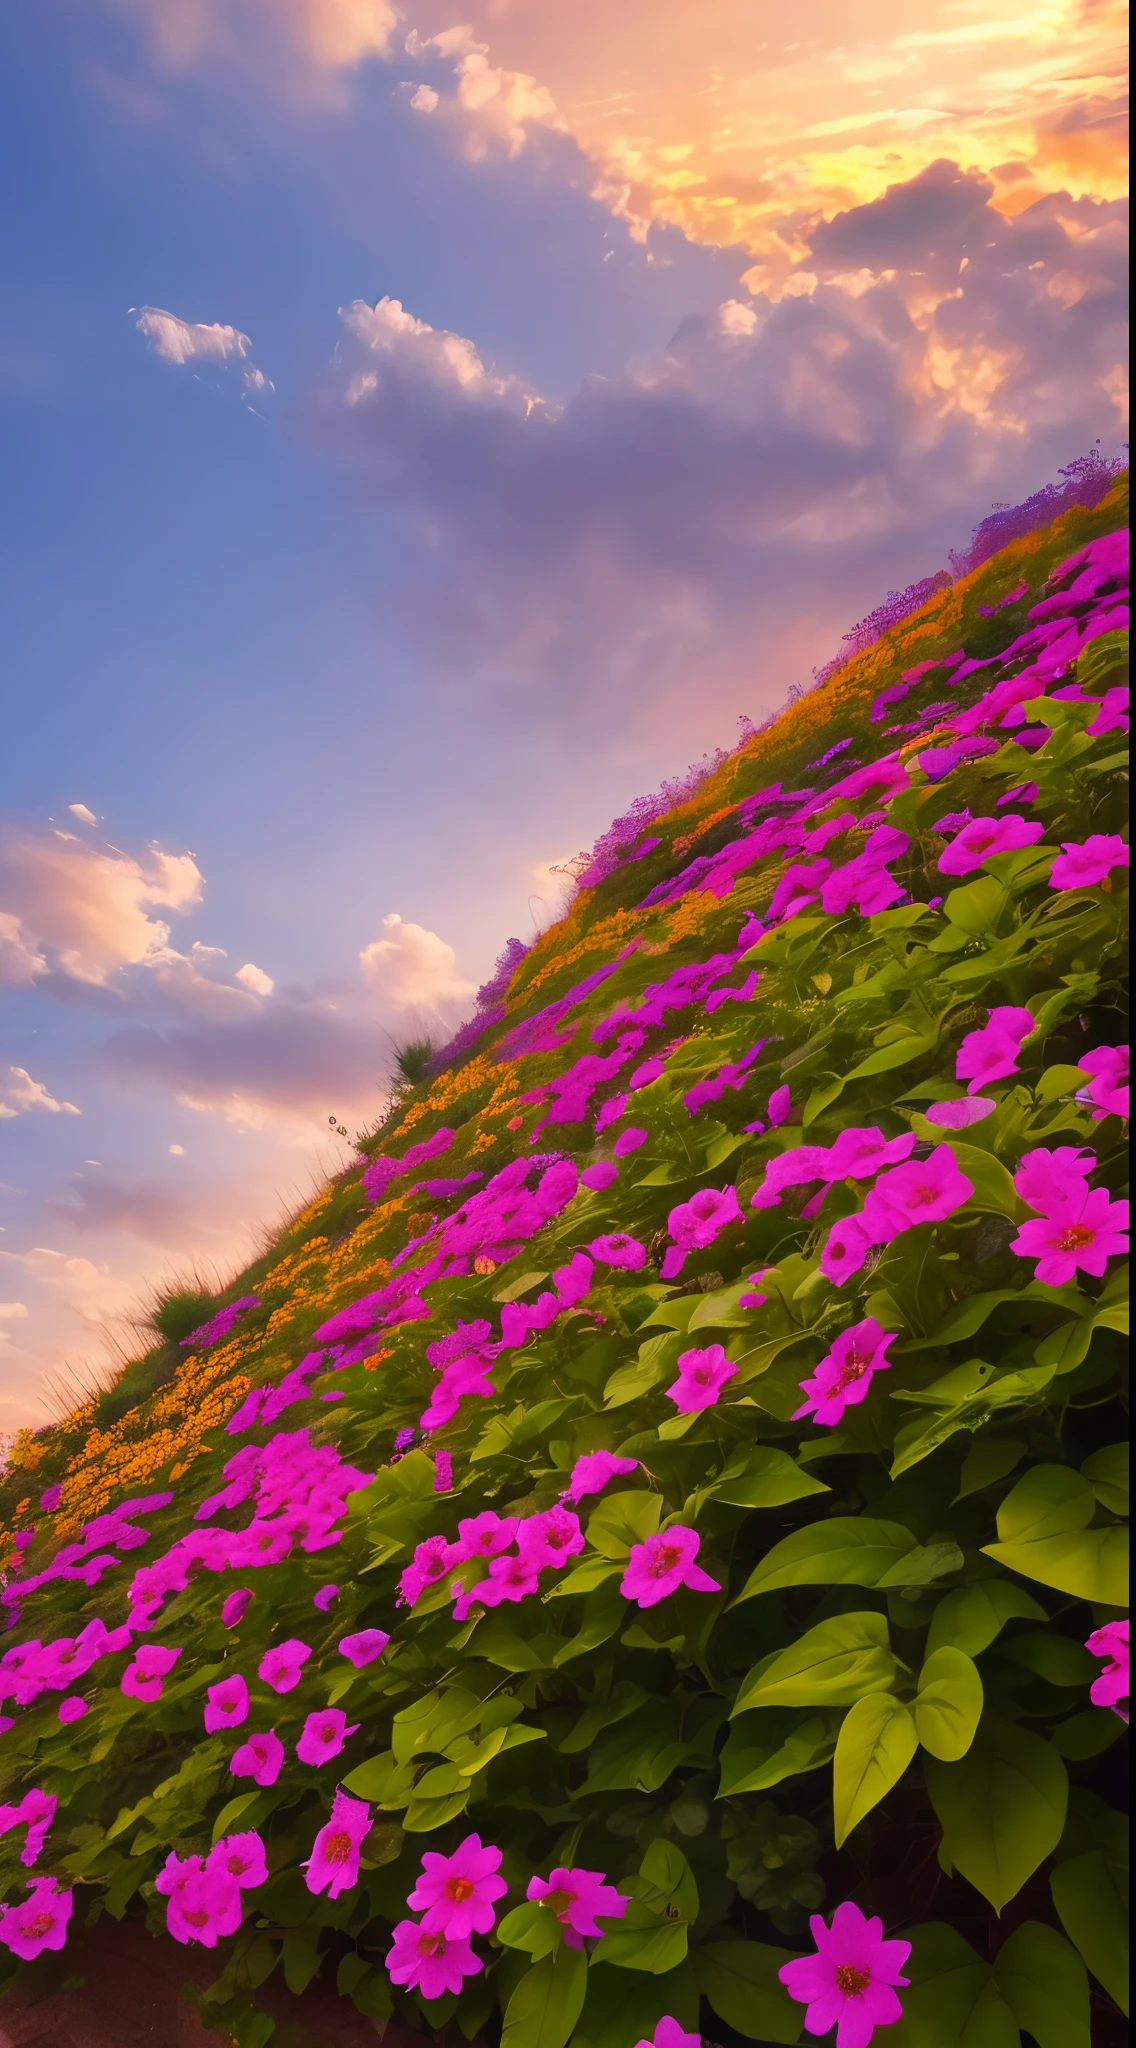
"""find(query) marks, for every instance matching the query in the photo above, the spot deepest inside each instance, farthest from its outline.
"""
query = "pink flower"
(228, 1704)
(204, 1907)
(39, 1922)
(701, 1377)
(859, 1153)
(992, 1053)
(236, 1606)
(281, 1667)
(50, 1498)
(1111, 1643)
(619, 1250)
(1084, 1236)
(549, 1539)
(599, 1176)
(484, 1535)
(591, 1473)
(846, 1248)
(668, 2034)
(142, 1679)
(443, 1472)
(1083, 866)
(243, 1858)
(923, 1191)
(324, 1597)
(324, 1735)
(363, 1648)
(1054, 1182)
(72, 1709)
(849, 1983)
(984, 837)
(35, 1812)
(1108, 1089)
(845, 1375)
(431, 1561)
(510, 1578)
(611, 1112)
(175, 1872)
(662, 1564)
(333, 1865)
(629, 1141)
(455, 1894)
(577, 1897)
(695, 1224)
(956, 1116)
(573, 1281)
(260, 1758)
(780, 1104)
(436, 1963)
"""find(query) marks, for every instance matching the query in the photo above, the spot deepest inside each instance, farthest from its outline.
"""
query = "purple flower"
(1082, 866)
(619, 1250)
(701, 1377)
(849, 1983)
(599, 1176)
(281, 1666)
(333, 1865)
(142, 1679)
(1108, 1089)
(629, 1141)
(443, 1472)
(573, 1281)
(780, 1104)
(578, 1898)
(324, 1597)
(591, 1473)
(1111, 1643)
(844, 1376)
(1084, 1236)
(549, 1539)
(50, 1498)
(982, 838)
(324, 1735)
(236, 1606)
(363, 1648)
(39, 1923)
(72, 1709)
(243, 1858)
(923, 1191)
(662, 1564)
(260, 1758)
(456, 1894)
(992, 1053)
(435, 1963)
(228, 1704)
(955, 1116)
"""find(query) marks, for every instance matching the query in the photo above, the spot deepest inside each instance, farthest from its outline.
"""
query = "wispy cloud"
(215, 348)
(20, 1093)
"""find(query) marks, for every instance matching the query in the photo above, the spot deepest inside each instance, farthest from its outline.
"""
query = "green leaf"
(1043, 1981)
(1107, 1474)
(1043, 1535)
(1052, 1657)
(948, 1705)
(1087, 1734)
(831, 1665)
(761, 1478)
(1002, 1807)
(970, 1314)
(1057, 1082)
(530, 1927)
(624, 1519)
(624, 1700)
(966, 1398)
(622, 2007)
(846, 1551)
(976, 908)
(877, 1742)
(889, 1057)
(1090, 1893)
(988, 1461)
(433, 1721)
(643, 1941)
(739, 1978)
(519, 1286)
(547, 2002)
(972, 1616)
(655, 1361)
(604, 1611)
(586, 1577)
(952, 2000)
(302, 1955)
(665, 1868)
(639, 1757)
(233, 1811)
(775, 1743)
(721, 1310)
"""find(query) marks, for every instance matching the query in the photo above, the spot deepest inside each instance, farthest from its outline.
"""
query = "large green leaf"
(624, 2006)
(832, 1665)
(1043, 1981)
(762, 1478)
(624, 1519)
(877, 1742)
(1043, 1534)
(638, 1755)
(739, 1978)
(849, 1550)
(952, 2000)
(547, 2002)
(1002, 1807)
(948, 1706)
(964, 1398)
(972, 1616)
(772, 1744)
(1090, 1893)
(1107, 1474)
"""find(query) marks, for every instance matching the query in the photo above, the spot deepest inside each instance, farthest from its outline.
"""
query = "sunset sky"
(425, 429)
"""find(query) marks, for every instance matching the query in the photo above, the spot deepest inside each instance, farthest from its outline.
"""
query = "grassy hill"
(858, 1671)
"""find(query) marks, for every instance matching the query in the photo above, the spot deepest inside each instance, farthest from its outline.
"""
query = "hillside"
(685, 1452)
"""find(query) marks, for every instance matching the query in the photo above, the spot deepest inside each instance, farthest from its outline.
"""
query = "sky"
(426, 429)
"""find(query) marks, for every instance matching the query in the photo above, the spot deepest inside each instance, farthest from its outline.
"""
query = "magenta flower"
(619, 1250)
(1111, 1643)
(324, 1735)
(549, 1539)
(72, 1709)
(243, 1858)
(984, 837)
(578, 1897)
(35, 1812)
(956, 1116)
(363, 1648)
(142, 1679)
(1108, 1089)
(324, 1597)
(1086, 1237)
(228, 1704)
(455, 1894)
(204, 1907)
(1083, 866)
(260, 1758)
(510, 1578)
(1054, 1182)
(39, 1922)
(664, 1563)
(333, 1865)
(443, 1472)
(611, 1112)
(282, 1666)
(591, 1473)
(695, 1224)
(573, 1281)
(599, 1176)
(923, 1191)
(668, 2034)
(236, 1606)
(849, 1983)
(436, 1963)
(431, 1561)
(50, 1498)
(992, 1053)
(629, 1141)
(860, 1152)
(846, 1248)
(701, 1377)
(844, 1376)
(485, 1535)
(175, 1872)
(780, 1104)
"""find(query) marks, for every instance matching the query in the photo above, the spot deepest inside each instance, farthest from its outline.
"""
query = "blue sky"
(390, 638)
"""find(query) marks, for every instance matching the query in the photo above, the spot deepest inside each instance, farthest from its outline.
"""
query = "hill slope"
(683, 1453)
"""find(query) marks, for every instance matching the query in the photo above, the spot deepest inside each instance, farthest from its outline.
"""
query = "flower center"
(41, 1925)
(459, 1889)
(850, 1980)
(196, 1919)
(980, 839)
(557, 1902)
(337, 1848)
(921, 1196)
(1075, 1238)
(327, 1735)
(856, 1364)
(431, 1944)
(666, 1557)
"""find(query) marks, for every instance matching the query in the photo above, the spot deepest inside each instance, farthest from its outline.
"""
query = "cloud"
(491, 107)
(216, 348)
(80, 912)
(81, 812)
(144, 1210)
(324, 33)
(412, 968)
(18, 1092)
(10, 1310)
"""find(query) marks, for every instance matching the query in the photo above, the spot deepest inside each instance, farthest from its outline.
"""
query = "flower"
(177, 1871)
(324, 1735)
(1108, 1089)
(1084, 1235)
(227, 1704)
(619, 1250)
(455, 1894)
(333, 1865)
(550, 1538)
(668, 2034)
(36, 1811)
(629, 1141)
(235, 1607)
(50, 1498)
(846, 1248)
(780, 1104)
(39, 1922)
(431, 1561)
(436, 1963)
(362, 1649)
(591, 1473)
(573, 1281)
(484, 1535)
(1111, 1643)
(845, 1374)
(443, 1472)
(241, 1857)
(577, 1897)
(509, 1578)
(259, 1758)
(701, 1377)
(992, 1053)
(662, 1564)
(984, 837)
(1083, 866)
(955, 1116)
(1054, 1182)
(599, 1176)
(923, 1191)
(281, 1666)
(72, 1709)
(204, 1906)
(142, 1679)
(324, 1597)
(850, 1981)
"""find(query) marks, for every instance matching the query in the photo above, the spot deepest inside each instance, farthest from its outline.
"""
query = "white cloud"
(215, 347)
(10, 1310)
(255, 978)
(492, 107)
(18, 1092)
(83, 912)
(385, 343)
(411, 967)
(81, 812)
(177, 1151)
